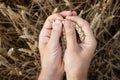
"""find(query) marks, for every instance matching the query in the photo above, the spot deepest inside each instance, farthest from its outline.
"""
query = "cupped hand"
(77, 56)
(50, 49)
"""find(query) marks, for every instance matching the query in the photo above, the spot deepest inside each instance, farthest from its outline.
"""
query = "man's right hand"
(77, 57)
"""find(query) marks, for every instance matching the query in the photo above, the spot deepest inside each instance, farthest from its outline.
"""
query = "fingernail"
(57, 25)
(57, 22)
(74, 13)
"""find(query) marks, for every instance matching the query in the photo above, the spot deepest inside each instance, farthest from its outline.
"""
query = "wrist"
(46, 75)
(76, 76)
(50, 75)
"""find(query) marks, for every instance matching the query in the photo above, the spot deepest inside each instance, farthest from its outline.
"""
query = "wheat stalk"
(79, 31)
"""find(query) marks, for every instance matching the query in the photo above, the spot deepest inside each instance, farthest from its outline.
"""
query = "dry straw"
(21, 22)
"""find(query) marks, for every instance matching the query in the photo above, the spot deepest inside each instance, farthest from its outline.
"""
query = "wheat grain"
(79, 30)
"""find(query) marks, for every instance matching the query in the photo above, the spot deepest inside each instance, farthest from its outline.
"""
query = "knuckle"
(70, 32)
(55, 31)
(77, 18)
(86, 23)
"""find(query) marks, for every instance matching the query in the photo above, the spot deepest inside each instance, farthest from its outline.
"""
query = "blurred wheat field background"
(22, 20)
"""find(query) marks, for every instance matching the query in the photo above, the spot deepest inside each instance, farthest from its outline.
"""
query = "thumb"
(56, 32)
(70, 34)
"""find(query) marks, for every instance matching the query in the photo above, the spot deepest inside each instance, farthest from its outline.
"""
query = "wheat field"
(21, 22)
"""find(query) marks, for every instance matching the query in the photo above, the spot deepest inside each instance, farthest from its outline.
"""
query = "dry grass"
(22, 20)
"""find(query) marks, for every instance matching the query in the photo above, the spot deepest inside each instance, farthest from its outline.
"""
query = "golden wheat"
(79, 31)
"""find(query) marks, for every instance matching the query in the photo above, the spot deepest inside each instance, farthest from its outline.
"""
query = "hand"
(77, 57)
(50, 49)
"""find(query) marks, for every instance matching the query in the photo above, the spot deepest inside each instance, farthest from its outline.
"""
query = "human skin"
(77, 57)
(50, 49)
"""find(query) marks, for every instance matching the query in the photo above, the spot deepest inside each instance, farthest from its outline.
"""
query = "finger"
(85, 27)
(70, 34)
(46, 30)
(56, 32)
(45, 33)
(68, 13)
(74, 13)
(89, 42)
(52, 18)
